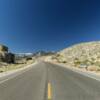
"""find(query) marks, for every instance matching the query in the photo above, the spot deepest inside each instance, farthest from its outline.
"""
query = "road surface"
(46, 81)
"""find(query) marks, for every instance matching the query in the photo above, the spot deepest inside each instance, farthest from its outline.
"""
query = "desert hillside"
(82, 55)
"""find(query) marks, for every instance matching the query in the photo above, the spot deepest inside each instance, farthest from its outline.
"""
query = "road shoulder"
(79, 71)
(13, 73)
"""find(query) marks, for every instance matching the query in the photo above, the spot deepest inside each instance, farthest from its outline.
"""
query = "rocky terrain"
(11, 61)
(83, 55)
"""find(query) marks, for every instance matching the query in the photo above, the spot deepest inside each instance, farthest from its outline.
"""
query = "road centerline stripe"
(49, 91)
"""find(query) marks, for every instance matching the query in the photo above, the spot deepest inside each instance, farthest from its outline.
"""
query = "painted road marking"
(49, 92)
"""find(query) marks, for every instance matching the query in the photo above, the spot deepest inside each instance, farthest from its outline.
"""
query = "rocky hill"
(82, 55)
(5, 55)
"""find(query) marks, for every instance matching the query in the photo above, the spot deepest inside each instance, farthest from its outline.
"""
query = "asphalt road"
(46, 81)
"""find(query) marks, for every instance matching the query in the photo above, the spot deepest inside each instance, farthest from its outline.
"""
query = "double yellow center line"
(49, 91)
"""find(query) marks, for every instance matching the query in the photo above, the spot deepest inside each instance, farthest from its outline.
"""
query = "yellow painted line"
(49, 92)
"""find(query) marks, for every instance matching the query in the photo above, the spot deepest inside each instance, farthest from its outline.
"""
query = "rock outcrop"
(5, 56)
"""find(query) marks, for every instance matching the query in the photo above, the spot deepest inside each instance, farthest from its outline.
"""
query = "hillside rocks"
(3, 48)
(82, 55)
(92, 68)
(5, 56)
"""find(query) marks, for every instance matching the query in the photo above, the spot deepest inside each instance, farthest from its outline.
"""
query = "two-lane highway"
(46, 81)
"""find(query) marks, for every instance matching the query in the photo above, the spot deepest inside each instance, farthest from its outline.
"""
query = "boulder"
(5, 56)
(3, 48)
(92, 68)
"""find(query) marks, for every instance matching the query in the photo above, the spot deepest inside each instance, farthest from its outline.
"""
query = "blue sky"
(32, 25)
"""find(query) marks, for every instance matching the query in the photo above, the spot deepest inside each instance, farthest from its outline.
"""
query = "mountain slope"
(83, 54)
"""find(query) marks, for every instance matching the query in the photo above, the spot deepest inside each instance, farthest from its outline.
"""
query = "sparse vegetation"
(7, 67)
(10, 61)
(85, 54)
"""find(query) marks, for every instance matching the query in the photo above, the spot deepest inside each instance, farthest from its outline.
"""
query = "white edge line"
(85, 74)
(80, 72)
